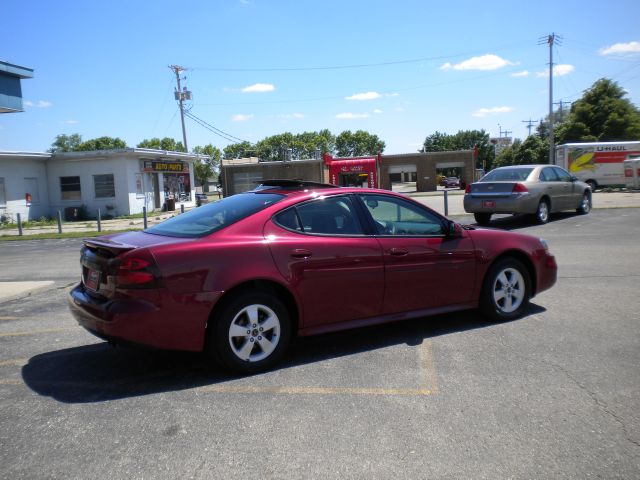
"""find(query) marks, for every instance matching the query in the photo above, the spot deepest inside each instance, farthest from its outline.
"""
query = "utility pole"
(530, 123)
(181, 95)
(561, 103)
(551, 40)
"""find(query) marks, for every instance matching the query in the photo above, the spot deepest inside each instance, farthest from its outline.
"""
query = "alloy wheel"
(509, 290)
(254, 333)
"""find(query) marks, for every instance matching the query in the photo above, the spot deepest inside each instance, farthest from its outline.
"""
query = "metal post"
(182, 208)
(99, 221)
(446, 203)
(59, 221)
(144, 216)
(19, 224)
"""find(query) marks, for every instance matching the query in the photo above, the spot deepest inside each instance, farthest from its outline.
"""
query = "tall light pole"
(181, 95)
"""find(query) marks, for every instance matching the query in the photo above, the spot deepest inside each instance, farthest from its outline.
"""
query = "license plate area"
(488, 203)
(92, 280)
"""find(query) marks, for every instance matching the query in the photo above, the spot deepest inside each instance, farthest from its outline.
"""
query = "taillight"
(136, 272)
(467, 189)
(520, 188)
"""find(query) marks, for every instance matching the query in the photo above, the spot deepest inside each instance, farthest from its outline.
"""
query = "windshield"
(210, 218)
(507, 174)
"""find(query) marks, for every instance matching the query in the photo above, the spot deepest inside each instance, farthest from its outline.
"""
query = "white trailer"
(598, 163)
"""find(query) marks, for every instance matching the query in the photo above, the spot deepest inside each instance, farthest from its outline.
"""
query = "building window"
(104, 186)
(70, 188)
(3, 196)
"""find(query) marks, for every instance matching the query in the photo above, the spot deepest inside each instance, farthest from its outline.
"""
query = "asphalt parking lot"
(555, 394)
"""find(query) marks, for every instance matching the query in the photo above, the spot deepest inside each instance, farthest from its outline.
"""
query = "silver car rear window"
(507, 174)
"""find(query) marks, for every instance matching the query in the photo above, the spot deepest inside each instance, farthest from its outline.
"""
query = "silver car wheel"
(585, 206)
(543, 212)
(254, 333)
(509, 290)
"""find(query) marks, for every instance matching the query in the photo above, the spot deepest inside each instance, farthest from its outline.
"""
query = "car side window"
(563, 175)
(548, 175)
(323, 216)
(396, 216)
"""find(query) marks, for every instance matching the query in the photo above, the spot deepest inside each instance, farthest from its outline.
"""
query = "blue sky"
(399, 69)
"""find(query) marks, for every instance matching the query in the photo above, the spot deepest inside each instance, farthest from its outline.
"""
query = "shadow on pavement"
(98, 372)
(516, 222)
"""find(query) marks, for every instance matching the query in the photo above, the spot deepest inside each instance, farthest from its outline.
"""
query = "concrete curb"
(15, 290)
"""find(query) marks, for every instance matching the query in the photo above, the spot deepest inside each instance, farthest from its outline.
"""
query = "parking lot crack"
(592, 395)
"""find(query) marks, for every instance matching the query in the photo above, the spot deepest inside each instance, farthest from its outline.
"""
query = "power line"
(217, 131)
(357, 65)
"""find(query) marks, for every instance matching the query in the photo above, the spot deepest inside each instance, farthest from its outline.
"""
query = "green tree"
(66, 143)
(533, 150)
(350, 144)
(603, 114)
(463, 140)
(207, 167)
(166, 143)
(101, 143)
(239, 150)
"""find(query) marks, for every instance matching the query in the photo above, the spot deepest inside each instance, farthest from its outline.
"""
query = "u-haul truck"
(599, 163)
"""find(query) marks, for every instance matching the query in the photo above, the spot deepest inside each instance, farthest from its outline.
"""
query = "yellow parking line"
(18, 362)
(36, 332)
(427, 368)
(10, 381)
(8, 318)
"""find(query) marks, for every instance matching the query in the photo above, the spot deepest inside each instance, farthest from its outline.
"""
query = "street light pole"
(181, 96)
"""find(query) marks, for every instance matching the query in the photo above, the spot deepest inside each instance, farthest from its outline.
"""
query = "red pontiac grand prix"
(239, 278)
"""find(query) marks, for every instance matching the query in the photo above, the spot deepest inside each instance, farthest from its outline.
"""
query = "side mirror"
(452, 229)
(574, 178)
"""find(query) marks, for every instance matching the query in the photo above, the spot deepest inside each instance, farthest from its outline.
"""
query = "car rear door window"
(322, 216)
(563, 175)
(547, 175)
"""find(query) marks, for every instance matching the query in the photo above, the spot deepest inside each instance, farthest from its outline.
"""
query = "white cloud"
(241, 117)
(484, 62)
(40, 104)
(377, 111)
(352, 116)
(296, 116)
(259, 88)
(70, 122)
(364, 96)
(524, 73)
(483, 112)
(558, 71)
(621, 49)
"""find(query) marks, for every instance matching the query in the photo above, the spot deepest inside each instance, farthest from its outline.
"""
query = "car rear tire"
(506, 290)
(585, 204)
(250, 334)
(482, 218)
(542, 212)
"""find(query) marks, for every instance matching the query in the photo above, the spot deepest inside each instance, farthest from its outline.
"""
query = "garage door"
(243, 181)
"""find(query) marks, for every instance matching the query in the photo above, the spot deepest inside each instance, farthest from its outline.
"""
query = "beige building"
(240, 175)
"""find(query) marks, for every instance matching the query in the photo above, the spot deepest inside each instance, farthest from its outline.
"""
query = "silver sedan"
(531, 189)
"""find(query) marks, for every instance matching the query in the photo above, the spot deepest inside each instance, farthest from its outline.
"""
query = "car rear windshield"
(210, 218)
(507, 174)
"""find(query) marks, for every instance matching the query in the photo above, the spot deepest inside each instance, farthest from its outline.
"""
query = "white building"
(118, 182)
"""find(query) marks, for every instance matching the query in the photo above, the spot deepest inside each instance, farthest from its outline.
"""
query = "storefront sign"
(168, 167)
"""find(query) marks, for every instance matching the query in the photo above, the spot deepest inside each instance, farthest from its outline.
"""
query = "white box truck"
(598, 163)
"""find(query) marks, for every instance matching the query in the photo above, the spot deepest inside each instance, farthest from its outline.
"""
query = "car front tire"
(506, 290)
(251, 333)
(585, 204)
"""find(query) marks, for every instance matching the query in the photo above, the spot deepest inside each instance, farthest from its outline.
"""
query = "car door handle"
(301, 253)
(398, 252)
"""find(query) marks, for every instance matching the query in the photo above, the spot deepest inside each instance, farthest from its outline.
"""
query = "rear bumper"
(511, 204)
(175, 322)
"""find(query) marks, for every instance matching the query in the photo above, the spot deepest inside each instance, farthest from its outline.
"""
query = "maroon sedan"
(239, 278)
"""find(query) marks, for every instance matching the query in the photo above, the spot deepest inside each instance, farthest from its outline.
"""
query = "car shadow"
(517, 222)
(99, 372)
